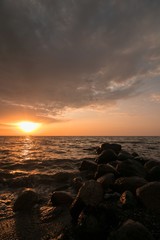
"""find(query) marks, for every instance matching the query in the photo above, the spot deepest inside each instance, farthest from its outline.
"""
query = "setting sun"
(28, 126)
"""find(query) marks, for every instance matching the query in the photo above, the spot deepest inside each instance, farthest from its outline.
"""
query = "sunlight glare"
(28, 126)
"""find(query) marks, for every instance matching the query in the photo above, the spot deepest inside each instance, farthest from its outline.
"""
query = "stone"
(134, 154)
(112, 196)
(106, 180)
(130, 168)
(154, 174)
(127, 200)
(149, 195)
(141, 160)
(124, 155)
(77, 183)
(128, 183)
(104, 169)
(90, 194)
(131, 230)
(88, 226)
(60, 198)
(95, 223)
(150, 164)
(76, 208)
(113, 146)
(106, 156)
(88, 165)
(26, 201)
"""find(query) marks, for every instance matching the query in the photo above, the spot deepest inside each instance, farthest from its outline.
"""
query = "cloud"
(155, 98)
(59, 54)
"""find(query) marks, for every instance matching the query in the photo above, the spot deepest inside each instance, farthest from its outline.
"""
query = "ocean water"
(49, 163)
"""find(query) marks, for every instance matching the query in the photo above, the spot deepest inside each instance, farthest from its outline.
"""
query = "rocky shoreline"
(114, 197)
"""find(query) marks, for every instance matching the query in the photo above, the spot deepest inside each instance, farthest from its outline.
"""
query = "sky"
(80, 67)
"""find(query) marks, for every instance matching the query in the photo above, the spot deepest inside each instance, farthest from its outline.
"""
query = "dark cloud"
(70, 53)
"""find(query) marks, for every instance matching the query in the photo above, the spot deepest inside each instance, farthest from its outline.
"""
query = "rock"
(76, 208)
(128, 200)
(88, 165)
(105, 168)
(141, 160)
(77, 183)
(134, 154)
(106, 180)
(112, 196)
(150, 164)
(128, 183)
(130, 168)
(26, 201)
(132, 230)
(124, 155)
(116, 147)
(154, 174)
(104, 146)
(61, 198)
(106, 156)
(88, 226)
(96, 222)
(90, 194)
(149, 195)
(113, 146)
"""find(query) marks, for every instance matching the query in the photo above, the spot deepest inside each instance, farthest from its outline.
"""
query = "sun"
(28, 126)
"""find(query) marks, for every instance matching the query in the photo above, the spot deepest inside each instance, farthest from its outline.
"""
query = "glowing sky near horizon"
(80, 67)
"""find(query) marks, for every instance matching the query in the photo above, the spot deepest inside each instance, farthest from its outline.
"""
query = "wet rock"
(106, 180)
(130, 168)
(77, 183)
(76, 208)
(112, 196)
(128, 183)
(124, 155)
(106, 156)
(132, 230)
(127, 200)
(150, 164)
(134, 154)
(104, 169)
(116, 147)
(149, 195)
(94, 223)
(141, 160)
(26, 201)
(88, 165)
(113, 146)
(90, 194)
(88, 226)
(60, 198)
(154, 174)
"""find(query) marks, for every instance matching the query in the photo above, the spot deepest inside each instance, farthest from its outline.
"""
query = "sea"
(48, 164)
